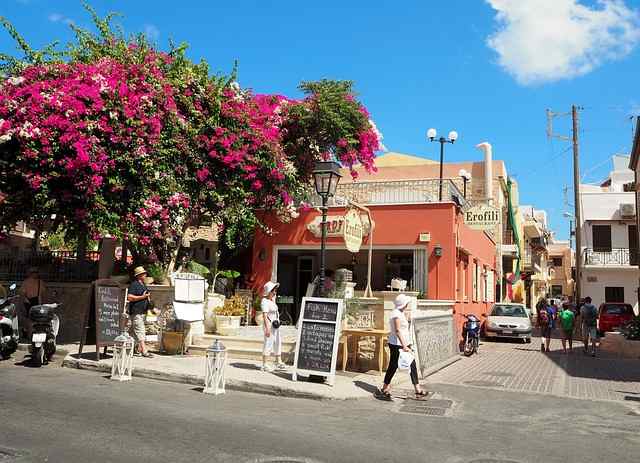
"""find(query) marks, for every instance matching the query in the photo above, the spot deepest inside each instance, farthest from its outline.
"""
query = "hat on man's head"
(402, 300)
(268, 287)
(139, 271)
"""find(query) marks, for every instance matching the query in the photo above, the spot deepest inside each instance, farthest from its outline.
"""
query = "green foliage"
(200, 269)
(157, 272)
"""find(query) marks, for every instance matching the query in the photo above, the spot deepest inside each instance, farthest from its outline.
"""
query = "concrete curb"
(24, 347)
(197, 380)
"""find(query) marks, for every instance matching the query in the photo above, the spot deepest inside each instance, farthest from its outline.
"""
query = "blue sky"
(451, 64)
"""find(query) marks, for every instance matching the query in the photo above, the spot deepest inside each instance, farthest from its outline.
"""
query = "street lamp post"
(326, 176)
(453, 136)
(466, 176)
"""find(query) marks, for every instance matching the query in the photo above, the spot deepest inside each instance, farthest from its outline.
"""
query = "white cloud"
(547, 40)
(57, 17)
(152, 32)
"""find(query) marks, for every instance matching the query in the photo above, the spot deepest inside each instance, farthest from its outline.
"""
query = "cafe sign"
(353, 231)
(482, 217)
(336, 225)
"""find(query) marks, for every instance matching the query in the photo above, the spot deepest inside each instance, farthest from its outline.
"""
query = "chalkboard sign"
(106, 310)
(322, 310)
(318, 335)
(316, 346)
(109, 307)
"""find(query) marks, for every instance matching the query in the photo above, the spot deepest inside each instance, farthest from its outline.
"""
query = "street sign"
(482, 217)
(353, 231)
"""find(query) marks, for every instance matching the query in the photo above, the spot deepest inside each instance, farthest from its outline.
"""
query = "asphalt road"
(60, 415)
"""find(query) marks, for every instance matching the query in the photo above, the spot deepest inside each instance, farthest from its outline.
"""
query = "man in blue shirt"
(138, 297)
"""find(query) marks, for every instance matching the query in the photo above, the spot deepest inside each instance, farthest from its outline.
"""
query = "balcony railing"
(395, 192)
(611, 257)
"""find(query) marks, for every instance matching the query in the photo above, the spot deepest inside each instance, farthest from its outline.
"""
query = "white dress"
(273, 343)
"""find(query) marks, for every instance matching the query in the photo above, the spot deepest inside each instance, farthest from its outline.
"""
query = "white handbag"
(405, 360)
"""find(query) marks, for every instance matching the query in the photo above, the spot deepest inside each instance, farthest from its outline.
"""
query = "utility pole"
(577, 213)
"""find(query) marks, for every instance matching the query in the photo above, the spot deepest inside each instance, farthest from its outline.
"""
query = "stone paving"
(522, 367)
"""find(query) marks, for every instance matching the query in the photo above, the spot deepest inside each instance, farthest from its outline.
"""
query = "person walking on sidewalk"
(399, 340)
(546, 319)
(271, 326)
(589, 316)
(138, 298)
(567, 322)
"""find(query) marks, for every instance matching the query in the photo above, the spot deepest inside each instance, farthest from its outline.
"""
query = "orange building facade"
(427, 244)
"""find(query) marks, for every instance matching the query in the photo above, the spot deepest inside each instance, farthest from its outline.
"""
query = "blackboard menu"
(321, 310)
(316, 346)
(318, 336)
(109, 305)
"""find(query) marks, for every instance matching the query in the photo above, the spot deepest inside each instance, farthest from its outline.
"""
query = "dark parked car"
(613, 315)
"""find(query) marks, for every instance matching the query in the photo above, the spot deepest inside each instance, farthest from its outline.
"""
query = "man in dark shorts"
(138, 298)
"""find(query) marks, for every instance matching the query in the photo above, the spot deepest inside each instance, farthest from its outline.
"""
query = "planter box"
(228, 326)
(214, 301)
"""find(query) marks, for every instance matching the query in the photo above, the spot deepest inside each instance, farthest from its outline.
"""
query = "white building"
(610, 238)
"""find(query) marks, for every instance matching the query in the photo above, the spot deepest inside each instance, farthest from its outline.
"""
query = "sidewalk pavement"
(242, 375)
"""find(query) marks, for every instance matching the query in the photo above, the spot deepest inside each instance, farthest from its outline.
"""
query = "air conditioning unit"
(627, 210)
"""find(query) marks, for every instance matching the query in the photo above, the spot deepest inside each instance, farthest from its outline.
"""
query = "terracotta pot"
(171, 342)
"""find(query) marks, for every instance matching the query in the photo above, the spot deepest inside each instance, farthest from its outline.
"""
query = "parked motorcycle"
(45, 327)
(471, 334)
(9, 334)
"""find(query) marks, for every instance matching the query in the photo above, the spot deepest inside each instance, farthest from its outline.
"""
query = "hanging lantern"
(122, 365)
(216, 360)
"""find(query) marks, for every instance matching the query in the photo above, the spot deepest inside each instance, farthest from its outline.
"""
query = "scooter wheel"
(38, 357)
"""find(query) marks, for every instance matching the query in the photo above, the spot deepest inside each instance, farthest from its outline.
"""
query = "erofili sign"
(353, 231)
(482, 217)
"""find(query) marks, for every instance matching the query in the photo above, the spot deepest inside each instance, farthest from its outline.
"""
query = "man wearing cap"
(138, 297)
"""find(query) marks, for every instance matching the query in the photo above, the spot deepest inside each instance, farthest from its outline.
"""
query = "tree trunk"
(175, 253)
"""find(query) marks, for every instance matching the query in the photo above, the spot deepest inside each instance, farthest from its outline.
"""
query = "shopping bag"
(405, 360)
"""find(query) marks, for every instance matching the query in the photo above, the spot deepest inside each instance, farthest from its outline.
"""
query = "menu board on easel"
(318, 337)
(108, 307)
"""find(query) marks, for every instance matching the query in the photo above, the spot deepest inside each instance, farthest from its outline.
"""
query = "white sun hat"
(268, 287)
(402, 300)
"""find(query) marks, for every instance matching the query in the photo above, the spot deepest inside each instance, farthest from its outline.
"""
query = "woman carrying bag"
(271, 325)
(400, 345)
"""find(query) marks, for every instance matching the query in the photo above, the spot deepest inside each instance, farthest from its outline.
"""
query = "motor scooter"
(471, 334)
(45, 327)
(9, 334)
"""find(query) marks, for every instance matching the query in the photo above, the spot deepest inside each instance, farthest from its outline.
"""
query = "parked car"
(508, 320)
(613, 315)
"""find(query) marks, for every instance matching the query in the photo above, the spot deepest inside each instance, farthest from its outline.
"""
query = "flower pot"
(213, 302)
(171, 342)
(228, 325)
(259, 318)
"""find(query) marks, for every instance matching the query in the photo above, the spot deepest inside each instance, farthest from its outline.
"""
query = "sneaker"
(281, 367)
(267, 368)
(147, 355)
(541, 347)
(593, 354)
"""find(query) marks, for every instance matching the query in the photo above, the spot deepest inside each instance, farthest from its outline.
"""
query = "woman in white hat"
(399, 340)
(272, 339)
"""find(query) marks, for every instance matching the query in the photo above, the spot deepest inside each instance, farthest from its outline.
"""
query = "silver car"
(508, 320)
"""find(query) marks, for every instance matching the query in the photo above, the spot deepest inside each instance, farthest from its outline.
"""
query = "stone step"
(241, 347)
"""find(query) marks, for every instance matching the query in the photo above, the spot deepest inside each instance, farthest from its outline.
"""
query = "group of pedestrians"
(567, 318)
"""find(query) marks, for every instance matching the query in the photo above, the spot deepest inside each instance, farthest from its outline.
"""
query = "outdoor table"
(379, 335)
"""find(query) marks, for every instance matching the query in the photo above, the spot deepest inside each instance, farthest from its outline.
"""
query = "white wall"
(619, 233)
(628, 278)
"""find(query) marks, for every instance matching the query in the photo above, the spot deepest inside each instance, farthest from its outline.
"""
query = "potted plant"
(228, 316)
(157, 274)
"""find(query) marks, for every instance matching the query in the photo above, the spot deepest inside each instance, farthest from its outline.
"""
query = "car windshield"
(618, 309)
(508, 311)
